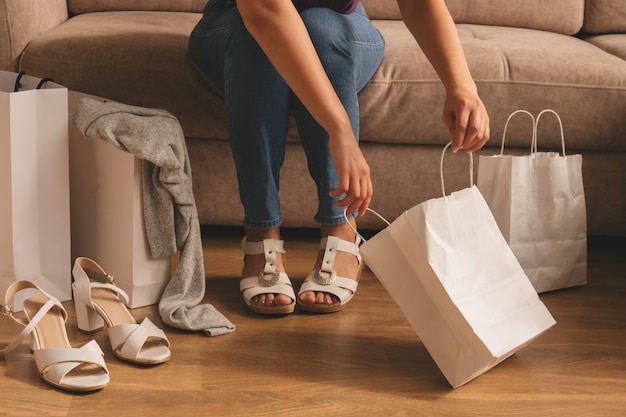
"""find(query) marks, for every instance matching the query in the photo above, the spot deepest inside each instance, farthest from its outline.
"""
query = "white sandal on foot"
(73, 369)
(269, 280)
(100, 301)
(326, 279)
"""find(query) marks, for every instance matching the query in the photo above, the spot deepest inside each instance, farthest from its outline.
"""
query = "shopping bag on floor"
(538, 201)
(107, 214)
(449, 269)
(34, 184)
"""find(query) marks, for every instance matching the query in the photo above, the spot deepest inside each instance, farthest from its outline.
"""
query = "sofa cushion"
(138, 58)
(20, 21)
(382, 9)
(614, 43)
(86, 6)
(561, 16)
(513, 67)
(605, 16)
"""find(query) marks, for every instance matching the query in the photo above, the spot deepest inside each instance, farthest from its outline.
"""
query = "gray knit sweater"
(171, 219)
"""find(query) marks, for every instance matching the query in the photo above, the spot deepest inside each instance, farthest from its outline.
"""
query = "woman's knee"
(328, 32)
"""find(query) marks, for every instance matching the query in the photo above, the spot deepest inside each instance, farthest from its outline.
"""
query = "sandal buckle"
(7, 310)
(271, 281)
(327, 279)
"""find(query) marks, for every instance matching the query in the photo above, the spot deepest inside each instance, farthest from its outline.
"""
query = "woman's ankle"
(342, 230)
(258, 235)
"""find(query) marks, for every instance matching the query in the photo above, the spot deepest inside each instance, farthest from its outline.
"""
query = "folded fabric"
(171, 219)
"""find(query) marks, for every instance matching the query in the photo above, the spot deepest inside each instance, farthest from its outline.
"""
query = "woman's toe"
(282, 299)
(307, 297)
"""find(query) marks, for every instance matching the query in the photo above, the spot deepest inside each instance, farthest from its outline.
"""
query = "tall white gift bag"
(107, 215)
(34, 184)
(449, 269)
(538, 201)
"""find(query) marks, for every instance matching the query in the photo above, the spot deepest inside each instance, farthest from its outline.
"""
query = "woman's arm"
(464, 115)
(280, 32)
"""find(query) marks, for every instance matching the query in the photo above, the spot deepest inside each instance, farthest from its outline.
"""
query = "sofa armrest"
(23, 20)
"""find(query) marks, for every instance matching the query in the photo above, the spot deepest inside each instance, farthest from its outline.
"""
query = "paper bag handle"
(43, 81)
(18, 81)
(533, 148)
(443, 190)
(506, 125)
(345, 216)
(471, 168)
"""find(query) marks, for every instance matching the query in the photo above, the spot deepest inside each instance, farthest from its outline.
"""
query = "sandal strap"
(250, 287)
(330, 245)
(130, 338)
(8, 309)
(326, 279)
(57, 363)
(83, 283)
(270, 280)
(270, 248)
(342, 287)
(257, 248)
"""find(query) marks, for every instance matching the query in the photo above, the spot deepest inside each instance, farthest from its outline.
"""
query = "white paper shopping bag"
(34, 184)
(449, 269)
(538, 201)
(108, 216)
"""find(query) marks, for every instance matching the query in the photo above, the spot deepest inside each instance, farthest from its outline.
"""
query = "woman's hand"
(353, 172)
(466, 118)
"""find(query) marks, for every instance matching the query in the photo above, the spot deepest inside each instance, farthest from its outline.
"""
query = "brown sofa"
(568, 55)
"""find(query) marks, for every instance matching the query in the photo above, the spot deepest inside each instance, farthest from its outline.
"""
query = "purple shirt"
(341, 6)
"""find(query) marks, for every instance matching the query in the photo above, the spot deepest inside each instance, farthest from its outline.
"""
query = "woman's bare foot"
(254, 264)
(345, 265)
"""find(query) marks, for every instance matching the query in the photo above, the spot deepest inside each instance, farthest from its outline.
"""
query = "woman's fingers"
(355, 191)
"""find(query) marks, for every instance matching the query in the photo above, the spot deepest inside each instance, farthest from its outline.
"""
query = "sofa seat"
(513, 66)
(613, 43)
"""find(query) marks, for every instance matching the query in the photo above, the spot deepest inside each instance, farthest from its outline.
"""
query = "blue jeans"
(259, 102)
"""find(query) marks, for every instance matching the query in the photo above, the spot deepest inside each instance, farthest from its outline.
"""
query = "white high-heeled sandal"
(98, 301)
(269, 280)
(325, 279)
(43, 317)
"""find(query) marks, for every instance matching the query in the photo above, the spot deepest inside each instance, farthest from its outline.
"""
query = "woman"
(273, 58)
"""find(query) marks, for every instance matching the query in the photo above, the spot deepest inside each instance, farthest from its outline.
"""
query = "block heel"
(87, 318)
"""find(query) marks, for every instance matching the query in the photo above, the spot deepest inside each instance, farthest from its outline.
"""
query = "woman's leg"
(257, 107)
(351, 50)
(257, 114)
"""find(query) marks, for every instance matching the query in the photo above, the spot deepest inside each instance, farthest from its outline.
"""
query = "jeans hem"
(328, 221)
(262, 224)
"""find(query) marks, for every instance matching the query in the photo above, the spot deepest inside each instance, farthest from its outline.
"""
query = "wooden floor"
(364, 361)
